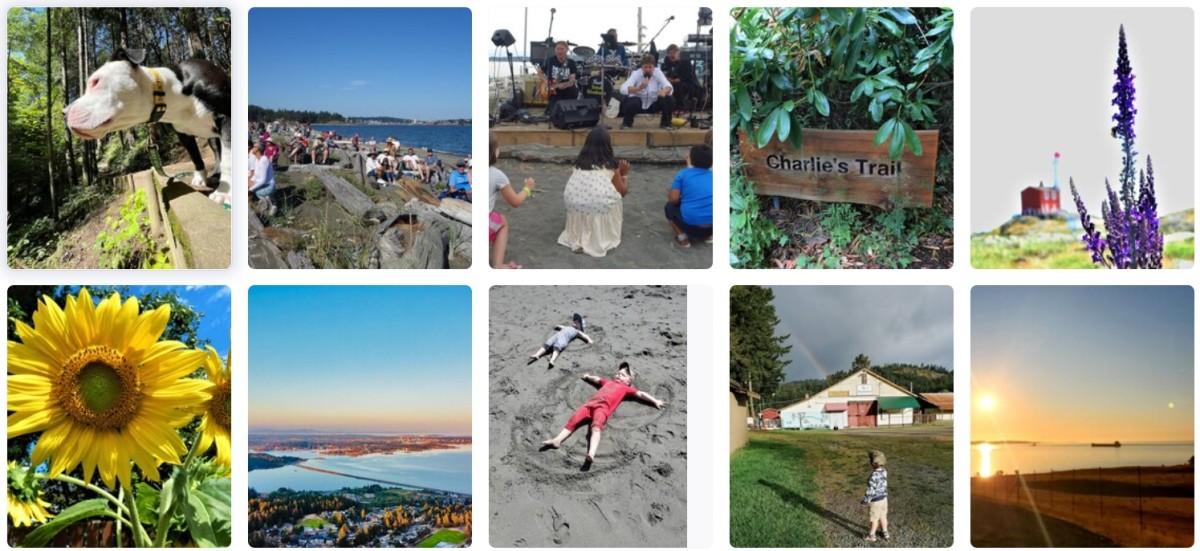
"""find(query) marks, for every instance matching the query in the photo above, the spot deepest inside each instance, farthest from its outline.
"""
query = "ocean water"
(988, 459)
(450, 139)
(448, 470)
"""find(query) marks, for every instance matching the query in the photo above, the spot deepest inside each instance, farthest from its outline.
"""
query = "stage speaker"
(575, 113)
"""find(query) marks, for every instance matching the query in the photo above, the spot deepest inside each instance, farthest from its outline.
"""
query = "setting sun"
(987, 402)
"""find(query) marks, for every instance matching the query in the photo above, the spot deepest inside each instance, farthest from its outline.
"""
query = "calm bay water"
(440, 469)
(449, 139)
(987, 459)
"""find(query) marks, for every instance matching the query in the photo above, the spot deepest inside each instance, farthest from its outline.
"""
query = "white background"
(708, 316)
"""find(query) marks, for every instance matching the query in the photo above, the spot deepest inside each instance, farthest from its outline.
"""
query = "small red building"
(770, 418)
(1040, 201)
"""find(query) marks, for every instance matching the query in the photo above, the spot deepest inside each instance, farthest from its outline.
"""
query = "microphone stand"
(662, 28)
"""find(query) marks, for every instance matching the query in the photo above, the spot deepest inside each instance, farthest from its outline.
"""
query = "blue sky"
(398, 62)
(1104, 362)
(367, 359)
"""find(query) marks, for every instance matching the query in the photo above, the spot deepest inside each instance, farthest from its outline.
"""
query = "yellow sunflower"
(214, 428)
(101, 387)
(25, 503)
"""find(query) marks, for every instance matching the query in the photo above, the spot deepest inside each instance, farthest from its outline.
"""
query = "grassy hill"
(1031, 242)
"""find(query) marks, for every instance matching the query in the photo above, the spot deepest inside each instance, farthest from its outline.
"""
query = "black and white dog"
(192, 97)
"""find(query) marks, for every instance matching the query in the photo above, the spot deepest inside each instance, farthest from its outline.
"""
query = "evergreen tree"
(756, 353)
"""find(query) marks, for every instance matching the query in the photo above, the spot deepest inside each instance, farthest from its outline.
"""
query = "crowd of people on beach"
(593, 199)
(383, 164)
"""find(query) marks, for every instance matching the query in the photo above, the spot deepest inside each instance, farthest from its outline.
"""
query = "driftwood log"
(423, 233)
(349, 197)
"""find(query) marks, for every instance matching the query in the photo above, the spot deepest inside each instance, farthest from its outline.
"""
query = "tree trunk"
(84, 37)
(72, 175)
(50, 118)
(124, 27)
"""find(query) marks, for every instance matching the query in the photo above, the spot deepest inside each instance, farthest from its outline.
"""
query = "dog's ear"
(134, 57)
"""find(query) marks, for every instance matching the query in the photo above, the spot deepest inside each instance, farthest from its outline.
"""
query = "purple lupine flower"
(1152, 240)
(1134, 239)
(1117, 224)
(1091, 237)
(1123, 98)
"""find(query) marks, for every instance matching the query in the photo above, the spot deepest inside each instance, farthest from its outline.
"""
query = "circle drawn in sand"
(556, 402)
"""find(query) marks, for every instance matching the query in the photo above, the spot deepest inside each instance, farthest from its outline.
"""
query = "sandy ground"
(635, 495)
(646, 239)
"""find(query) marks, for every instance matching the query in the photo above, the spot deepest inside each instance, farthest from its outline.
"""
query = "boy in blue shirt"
(689, 202)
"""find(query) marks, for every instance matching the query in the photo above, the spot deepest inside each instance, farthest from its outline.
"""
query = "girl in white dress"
(593, 197)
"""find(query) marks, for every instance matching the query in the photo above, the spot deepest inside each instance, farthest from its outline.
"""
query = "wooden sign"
(843, 166)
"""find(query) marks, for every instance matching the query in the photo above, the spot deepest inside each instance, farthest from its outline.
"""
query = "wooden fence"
(1133, 506)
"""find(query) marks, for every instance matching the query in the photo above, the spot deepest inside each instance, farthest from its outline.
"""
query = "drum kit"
(598, 75)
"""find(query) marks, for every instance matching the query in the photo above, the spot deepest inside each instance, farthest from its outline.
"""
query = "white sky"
(1041, 82)
(583, 22)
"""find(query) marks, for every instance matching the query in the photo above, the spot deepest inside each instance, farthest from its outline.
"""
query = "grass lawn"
(802, 488)
(312, 522)
(447, 535)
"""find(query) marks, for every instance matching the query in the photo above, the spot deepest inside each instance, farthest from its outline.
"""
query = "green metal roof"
(892, 403)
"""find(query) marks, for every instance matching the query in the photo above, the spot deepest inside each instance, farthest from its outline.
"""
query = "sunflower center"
(98, 387)
(220, 407)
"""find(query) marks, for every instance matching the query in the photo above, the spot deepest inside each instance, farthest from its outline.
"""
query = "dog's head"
(118, 96)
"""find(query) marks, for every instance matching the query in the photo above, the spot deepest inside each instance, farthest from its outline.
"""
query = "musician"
(560, 74)
(611, 50)
(682, 77)
(647, 91)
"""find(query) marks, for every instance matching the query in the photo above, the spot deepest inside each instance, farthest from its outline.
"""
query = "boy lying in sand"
(562, 337)
(600, 407)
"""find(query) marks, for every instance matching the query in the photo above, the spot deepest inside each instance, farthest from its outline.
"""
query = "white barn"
(864, 399)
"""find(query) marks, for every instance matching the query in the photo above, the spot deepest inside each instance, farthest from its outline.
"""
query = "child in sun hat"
(562, 337)
(600, 407)
(876, 497)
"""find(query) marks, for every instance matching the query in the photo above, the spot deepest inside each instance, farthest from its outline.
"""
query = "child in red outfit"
(600, 407)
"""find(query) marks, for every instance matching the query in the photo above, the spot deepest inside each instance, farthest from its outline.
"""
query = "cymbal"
(584, 51)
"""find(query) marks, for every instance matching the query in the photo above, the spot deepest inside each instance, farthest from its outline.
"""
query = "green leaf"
(860, 89)
(147, 503)
(897, 145)
(166, 496)
(887, 81)
(797, 137)
(745, 108)
(217, 497)
(914, 141)
(938, 30)
(876, 110)
(858, 22)
(789, 105)
(199, 521)
(902, 15)
(80, 511)
(784, 123)
(766, 130)
(885, 131)
(821, 102)
(890, 25)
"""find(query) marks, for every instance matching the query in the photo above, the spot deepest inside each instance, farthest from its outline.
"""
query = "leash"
(156, 113)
